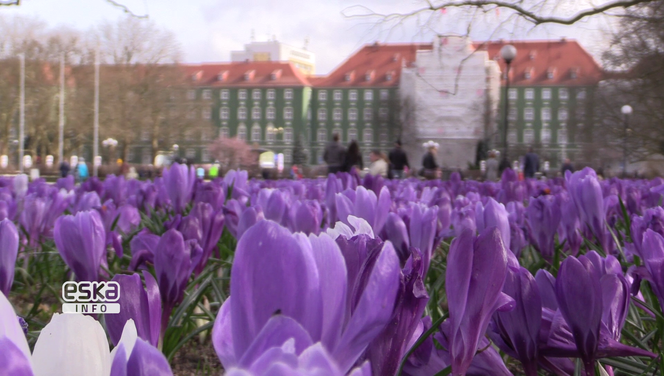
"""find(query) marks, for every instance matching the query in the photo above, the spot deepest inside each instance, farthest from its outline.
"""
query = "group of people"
(531, 165)
(340, 159)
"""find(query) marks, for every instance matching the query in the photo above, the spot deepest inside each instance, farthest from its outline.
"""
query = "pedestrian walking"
(492, 167)
(334, 155)
(398, 161)
(353, 157)
(530, 164)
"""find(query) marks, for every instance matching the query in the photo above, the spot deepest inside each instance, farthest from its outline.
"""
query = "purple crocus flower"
(653, 219)
(172, 264)
(585, 190)
(143, 247)
(476, 270)
(81, 241)
(302, 282)
(517, 332)
(15, 357)
(178, 182)
(395, 231)
(143, 305)
(306, 216)
(652, 251)
(570, 225)
(8, 254)
(211, 224)
(543, 218)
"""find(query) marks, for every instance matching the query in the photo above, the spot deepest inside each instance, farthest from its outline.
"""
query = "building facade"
(552, 86)
(274, 50)
(262, 103)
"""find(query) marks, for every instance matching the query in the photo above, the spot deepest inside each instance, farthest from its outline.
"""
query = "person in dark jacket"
(353, 157)
(504, 165)
(398, 160)
(64, 169)
(531, 164)
(567, 166)
(334, 155)
(429, 164)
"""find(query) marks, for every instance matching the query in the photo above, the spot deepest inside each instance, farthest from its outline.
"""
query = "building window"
(384, 95)
(131, 154)
(562, 94)
(207, 94)
(146, 158)
(190, 153)
(367, 114)
(337, 95)
(224, 113)
(191, 95)
(145, 135)
(352, 95)
(383, 138)
(339, 132)
(530, 94)
(382, 113)
(242, 132)
(352, 114)
(562, 114)
(545, 136)
(546, 94)
(580, 114)
(511, 137)
(270, 94)
(288, 135)
(270, 113)
(288, 113)
(322, 95)
(512, 94)
(242, 95)
(528, 113)
(352, 134)
(581, 94)
(242, 113)
(288, 94)
(546, 114)
(562, 136)
(224, 95)
(223, 132)
(270, 134)
(528, 136)
(256, 133)
(288, 156)
(512, 114)
(337, 114)
(322, 114)
(256, 113)
(205, 155)
(368, 95)
(256, 94)
(206, 113)
(367, 135)
(322, 135)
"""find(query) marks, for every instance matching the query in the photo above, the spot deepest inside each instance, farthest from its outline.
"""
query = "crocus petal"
(81, 241)
(10, 327)
(8, 254)
(373, 311)
(275, 333)
(272, 273)
(71, 344)
(12, 360)
(146, 360)
(222, 336)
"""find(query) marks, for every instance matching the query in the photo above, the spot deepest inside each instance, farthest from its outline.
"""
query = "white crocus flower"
(72, 345)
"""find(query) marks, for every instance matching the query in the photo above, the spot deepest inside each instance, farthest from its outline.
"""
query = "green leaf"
(445, 372)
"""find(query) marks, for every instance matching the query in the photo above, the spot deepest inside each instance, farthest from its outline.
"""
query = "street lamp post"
(626, 111)
(508, 53)
(21, 131)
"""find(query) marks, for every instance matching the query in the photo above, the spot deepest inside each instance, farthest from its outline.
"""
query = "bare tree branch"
(125, 9)
(10, 2)
(529, 14)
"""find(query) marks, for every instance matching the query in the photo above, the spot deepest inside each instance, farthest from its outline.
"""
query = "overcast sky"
(209, 29)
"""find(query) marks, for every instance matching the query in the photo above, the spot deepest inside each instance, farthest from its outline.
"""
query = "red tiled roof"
(373, 65)
(248, 74)
(569, 63)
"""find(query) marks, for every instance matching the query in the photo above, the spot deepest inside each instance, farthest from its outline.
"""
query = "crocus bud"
(81, 241)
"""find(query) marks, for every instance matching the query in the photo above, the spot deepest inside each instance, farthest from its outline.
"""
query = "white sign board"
(4, 161)
(97, 160)
(546, 166)
(280, 162)
(27, 161)
(49, 161)
(483, 166)
(34, 174)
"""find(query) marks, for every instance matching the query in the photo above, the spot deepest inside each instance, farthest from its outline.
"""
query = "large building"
(360, 99)
(264, 103)
(552, 84)
(274, 50)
